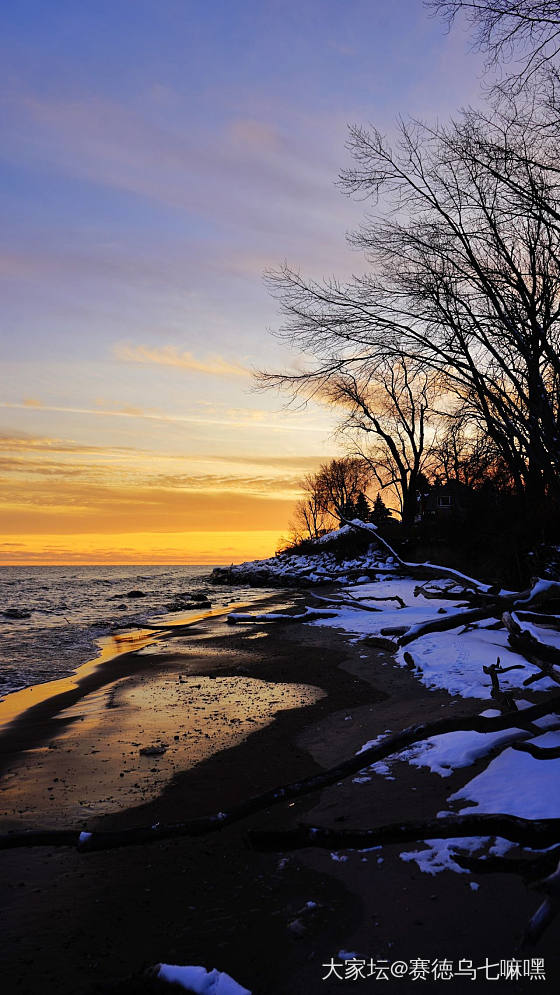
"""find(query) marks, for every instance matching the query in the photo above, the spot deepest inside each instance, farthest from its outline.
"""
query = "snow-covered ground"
(199, 981)
(384, 603)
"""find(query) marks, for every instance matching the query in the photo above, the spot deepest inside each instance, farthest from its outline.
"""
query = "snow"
(200, 981)
(439, 855)
(538, 632)
(446, 753)
(418, 609)
(513, 782)
(516, 783)
(454, 660)
(539, 587)
(319, 568)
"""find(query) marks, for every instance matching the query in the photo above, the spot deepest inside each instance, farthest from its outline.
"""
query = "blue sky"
(156, 158)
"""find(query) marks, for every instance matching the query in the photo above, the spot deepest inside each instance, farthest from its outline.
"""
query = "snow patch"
(516, 783)
(200, 981)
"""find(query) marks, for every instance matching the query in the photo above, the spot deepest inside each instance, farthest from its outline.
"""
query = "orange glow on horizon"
(146, 548)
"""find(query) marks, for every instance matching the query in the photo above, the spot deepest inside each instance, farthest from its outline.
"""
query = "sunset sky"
(157, 156)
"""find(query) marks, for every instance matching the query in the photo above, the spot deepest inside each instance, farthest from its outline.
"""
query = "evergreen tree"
(362, 508)
(348, 510)
(380, 514)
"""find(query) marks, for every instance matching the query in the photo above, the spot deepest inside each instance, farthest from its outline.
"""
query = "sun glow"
(213, 548)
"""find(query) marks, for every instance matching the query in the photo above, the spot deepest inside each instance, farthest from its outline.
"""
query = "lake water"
(69, 608)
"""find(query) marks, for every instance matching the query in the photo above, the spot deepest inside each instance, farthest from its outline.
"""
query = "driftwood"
(524, 640)
(539, 654)
(471, 597)
(388, 597)
(388, 746)
(281, 617)
(532, 868)
(347, 602)
(540, 618)
(547, 911)
(540, 592)
(494, 670)
(538, 752)
(371, 597)
(443, 623)
(529, 832)
(421, 570)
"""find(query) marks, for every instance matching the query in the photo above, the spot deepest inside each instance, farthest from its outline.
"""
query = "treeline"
(333, 495)
(443, 358)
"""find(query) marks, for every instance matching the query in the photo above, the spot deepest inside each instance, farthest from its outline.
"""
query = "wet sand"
(305, 697)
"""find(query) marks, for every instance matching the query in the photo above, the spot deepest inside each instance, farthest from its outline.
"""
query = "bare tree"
(329, 495)
(504, 29)
(310, 517)
(387, 418)
(464, 456)
(339, 483)
(464, 281)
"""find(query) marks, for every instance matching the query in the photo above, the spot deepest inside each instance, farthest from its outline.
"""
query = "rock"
(16, 613)
(153, 751)
(136, 594)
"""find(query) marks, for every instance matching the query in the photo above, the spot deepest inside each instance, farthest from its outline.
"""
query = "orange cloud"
(75, 505)
(140, 547)
(170, 356)
(25, 442)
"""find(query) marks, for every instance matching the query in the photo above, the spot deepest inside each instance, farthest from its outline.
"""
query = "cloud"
(259, 136)
(45, 467)
(218, 483)
(233, 418)
(25, 442)
(85, 506)
(170, 356)
(173, 547)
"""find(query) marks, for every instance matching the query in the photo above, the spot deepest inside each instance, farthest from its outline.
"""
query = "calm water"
(69, 608)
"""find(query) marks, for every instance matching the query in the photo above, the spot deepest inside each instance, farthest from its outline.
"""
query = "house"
(445, 501)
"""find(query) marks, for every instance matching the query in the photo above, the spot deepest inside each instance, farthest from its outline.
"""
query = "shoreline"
(26, 715)
(210, 900)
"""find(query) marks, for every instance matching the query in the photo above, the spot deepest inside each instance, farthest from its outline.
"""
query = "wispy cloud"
(26, 442)
(215, 366)
(233, 418)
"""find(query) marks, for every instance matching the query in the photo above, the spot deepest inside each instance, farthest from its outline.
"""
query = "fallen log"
(422, 570)
(538, 752)
(531, 868)
(528, 832)
(355, 604)
(541, 591)
(525, 642)
(540, 618)
(443, 623)
(389, 745)
(546, 912)
(307, 616)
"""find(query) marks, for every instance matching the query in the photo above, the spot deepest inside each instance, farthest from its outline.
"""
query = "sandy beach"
(188, 726)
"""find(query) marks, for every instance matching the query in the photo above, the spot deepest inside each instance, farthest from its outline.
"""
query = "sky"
(157, 157)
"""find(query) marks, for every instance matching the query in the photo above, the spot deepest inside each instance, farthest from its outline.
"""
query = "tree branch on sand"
(386, 747)
(529, 832)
